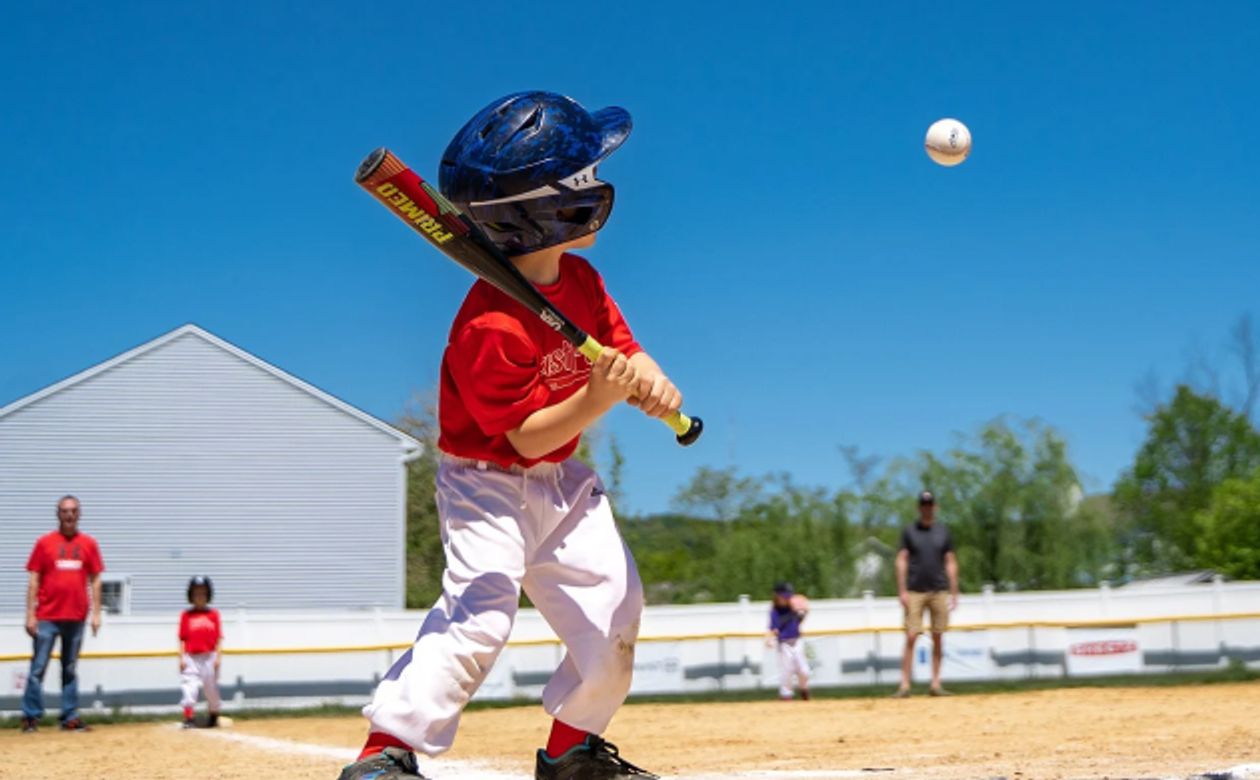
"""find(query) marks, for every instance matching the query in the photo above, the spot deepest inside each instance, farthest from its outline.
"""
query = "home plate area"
(440, 769)
(1201, 732)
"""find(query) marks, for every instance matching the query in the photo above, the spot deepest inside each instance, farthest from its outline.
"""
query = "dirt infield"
(1078, 733)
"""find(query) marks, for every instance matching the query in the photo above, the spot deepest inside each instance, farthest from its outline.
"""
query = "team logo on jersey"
(564, 367)
(201, 623)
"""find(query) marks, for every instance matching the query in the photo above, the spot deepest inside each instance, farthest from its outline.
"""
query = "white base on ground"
(802, 774)
(1240, 772)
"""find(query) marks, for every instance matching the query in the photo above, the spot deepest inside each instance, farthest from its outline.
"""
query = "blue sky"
(780, 243)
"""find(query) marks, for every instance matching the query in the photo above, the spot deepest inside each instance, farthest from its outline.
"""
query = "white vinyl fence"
(301, 659)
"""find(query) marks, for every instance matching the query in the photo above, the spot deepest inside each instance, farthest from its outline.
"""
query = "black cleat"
(190, 723)
(389, 764)
(594, 759)
(74, 724)
(30, 725)
(213, 721)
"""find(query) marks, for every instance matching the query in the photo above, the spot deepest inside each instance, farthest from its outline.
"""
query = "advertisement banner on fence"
(1103, 651)
(965, 656)
(658, 668)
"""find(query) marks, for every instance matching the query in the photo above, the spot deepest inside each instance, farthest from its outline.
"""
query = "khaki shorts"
(937, 601)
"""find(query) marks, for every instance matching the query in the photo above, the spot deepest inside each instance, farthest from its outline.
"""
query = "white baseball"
(948, 142)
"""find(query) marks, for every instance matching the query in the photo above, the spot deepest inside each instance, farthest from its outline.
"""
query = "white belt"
(545, 468)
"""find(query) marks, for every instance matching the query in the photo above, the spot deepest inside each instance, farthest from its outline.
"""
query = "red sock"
(378, 741)
(563, 739)
(188, 713)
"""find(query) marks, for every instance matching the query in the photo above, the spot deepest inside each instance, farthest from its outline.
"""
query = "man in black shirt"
(927, 578)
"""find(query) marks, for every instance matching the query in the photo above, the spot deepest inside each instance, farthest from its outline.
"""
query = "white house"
(192, 456)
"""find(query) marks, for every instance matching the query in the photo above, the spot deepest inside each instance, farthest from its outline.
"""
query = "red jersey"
(503, 363)
(64, 566)
(200, 630)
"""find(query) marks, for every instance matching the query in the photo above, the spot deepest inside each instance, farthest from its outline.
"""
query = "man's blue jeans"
(71, 633)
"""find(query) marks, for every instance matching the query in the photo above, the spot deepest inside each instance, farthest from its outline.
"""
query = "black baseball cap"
(926, 498)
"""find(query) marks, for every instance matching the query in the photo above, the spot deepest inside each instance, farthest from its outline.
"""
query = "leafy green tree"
(1229, 529)
(1193, 444)
(866, 501)
(1064, 542)
(616, 473)
(1008, 491)
(1012, 499)
(674, 553)
(719, 494)
(771, 529)
(425, 558)
(587, 446)
(792, 533)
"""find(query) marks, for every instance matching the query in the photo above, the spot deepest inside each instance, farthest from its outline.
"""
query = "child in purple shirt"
(787, 612)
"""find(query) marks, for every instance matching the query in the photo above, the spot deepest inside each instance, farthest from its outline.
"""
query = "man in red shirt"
(62, 565)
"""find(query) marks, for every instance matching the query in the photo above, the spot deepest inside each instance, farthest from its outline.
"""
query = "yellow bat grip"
(687, 429)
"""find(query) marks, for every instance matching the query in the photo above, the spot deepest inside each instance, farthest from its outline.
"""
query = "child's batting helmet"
(202, 581)
(523, 169)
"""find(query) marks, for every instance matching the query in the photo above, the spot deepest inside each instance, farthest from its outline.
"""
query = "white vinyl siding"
(190, 457)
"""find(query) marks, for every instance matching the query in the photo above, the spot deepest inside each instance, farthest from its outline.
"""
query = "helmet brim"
(614, 128)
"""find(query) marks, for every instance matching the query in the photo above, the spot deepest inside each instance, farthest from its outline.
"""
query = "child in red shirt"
(200, 631)
(517, 512)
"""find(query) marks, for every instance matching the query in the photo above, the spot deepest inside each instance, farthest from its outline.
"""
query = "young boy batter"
(517, 512)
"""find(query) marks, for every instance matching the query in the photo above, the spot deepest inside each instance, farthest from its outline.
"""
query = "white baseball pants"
(548, 530)
(198, 672)
(793, 667)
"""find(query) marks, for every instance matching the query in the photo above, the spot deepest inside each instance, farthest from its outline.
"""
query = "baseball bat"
(422, 207)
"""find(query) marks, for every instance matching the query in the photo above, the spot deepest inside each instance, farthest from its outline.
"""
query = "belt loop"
(482, 465)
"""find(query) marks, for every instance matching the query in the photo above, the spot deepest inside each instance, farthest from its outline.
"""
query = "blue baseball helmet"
(523, 169)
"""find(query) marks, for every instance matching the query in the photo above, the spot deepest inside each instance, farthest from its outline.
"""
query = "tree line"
(1009, 492)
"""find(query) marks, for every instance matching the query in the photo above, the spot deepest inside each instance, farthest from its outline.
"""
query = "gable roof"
(409, 444)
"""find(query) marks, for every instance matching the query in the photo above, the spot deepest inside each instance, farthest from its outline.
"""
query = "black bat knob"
(693, 433)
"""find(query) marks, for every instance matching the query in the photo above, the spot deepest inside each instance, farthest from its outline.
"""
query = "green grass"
(1233, 674)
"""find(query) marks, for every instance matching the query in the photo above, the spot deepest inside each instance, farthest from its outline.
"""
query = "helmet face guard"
(547, 216)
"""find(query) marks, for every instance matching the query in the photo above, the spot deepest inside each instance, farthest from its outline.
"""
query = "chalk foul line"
(438, 768)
